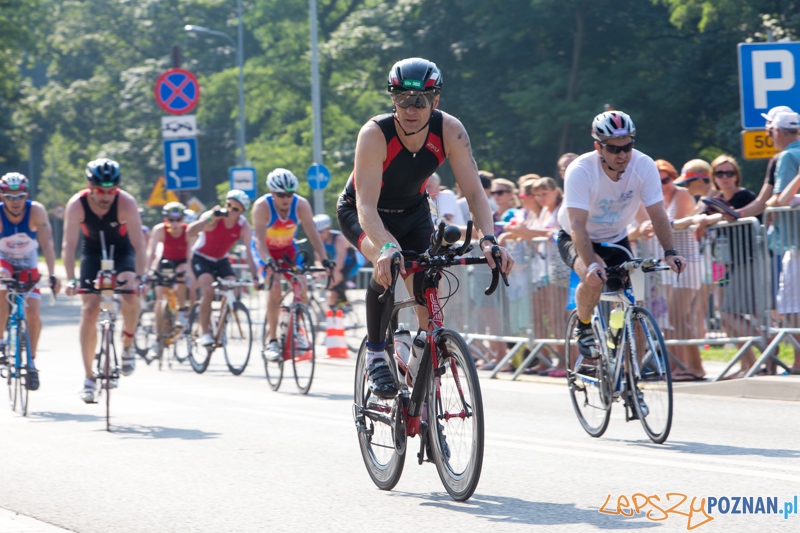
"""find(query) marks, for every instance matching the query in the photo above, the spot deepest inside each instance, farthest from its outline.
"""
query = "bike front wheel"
(301, 346)
(199, 356)
(649, 378)
(17, 391)
(355, 325)
(237, 338)
(455, 417)
(375, 433)
(587, 384)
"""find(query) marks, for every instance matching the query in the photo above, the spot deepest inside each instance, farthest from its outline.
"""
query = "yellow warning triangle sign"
(160, 195)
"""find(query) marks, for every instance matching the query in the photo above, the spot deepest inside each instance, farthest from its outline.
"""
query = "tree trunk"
(577, 43)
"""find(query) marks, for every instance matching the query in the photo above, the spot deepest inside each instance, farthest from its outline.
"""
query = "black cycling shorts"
(124, 261)
(611, 256)
(411, 227)
(218, 269)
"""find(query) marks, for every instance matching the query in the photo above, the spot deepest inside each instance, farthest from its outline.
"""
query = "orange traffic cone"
(334, 341)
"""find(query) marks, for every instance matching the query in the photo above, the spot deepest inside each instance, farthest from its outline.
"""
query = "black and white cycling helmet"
(282, 180)
(415, 74)
(103, 172)
(611, 125)
(13, 182)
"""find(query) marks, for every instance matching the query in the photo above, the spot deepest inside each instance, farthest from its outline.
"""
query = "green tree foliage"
(524, 76)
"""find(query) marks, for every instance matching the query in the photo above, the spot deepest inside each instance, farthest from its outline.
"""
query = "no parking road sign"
(177, 91)
(181, 164)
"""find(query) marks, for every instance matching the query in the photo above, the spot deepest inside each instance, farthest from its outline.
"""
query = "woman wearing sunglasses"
(217, 230)
(24, 229)
(276, 218)
(109, 219)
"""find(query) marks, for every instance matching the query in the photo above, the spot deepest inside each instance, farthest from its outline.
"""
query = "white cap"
(786, 121)
(769, 116)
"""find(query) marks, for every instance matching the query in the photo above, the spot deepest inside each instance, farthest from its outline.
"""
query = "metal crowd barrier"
(782, 284)
(741, 286)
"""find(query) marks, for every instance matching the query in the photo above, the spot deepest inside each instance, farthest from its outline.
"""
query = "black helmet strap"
(407, 134)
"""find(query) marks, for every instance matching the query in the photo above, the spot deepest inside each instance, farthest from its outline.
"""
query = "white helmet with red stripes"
(611, 125)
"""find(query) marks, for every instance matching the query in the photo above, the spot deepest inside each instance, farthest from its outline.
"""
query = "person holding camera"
(275, 218)
(217, 231)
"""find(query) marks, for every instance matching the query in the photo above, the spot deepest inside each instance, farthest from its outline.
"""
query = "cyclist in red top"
(217, 231)
(174, 239)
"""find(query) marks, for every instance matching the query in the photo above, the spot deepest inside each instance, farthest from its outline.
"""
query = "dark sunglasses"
(665, 181)
(500, 192)
(102, 191)
(235, 208)
(725, 173)
(11, 197)
(283, 194)
(418, 99)
(173, 219)
(612, 149)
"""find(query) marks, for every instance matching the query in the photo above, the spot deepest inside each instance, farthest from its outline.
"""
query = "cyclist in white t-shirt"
(602, 192)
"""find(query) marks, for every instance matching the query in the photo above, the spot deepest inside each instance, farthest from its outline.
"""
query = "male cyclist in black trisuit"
(384, 209)
(104, 207)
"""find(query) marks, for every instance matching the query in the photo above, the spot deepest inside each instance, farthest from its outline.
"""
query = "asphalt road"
(215, 452)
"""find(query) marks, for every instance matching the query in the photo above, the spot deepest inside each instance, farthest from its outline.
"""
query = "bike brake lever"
(395, 272)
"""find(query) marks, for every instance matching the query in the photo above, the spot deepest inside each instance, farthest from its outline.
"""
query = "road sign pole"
(319, 195)
(240, 139)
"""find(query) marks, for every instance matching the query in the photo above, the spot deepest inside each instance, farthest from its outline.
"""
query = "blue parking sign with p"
(768, 78)
(181, 166)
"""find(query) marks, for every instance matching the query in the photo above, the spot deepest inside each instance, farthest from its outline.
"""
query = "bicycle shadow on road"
(509, 510)
(702, 448)
(128, 431)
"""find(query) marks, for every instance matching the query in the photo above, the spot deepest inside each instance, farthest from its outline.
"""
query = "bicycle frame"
(226, 306)
(17, 315)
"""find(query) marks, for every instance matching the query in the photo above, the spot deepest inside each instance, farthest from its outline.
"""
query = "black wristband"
(490, 238)
(668, 253)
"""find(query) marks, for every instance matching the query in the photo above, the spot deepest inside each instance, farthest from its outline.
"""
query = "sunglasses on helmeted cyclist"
(500, 192)
(174, 219)
(283, 194)
(11, 197)
(724, 173)
(104, 191)
(419, 99)
(234, 207)
(613, 149)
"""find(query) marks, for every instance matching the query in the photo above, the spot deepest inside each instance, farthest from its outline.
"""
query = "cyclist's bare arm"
(156, 236)
(306, 216)
(459, 152)
(583, 245)
(260, 215)
(128, 212)
(245, 237)
(40, 223)
(658, 215)
(73, 216)
(368, 173)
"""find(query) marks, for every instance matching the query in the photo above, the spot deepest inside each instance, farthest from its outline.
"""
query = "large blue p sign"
(767, 78)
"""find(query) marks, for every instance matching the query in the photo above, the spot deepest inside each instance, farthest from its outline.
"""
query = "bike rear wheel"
(273, 369)
(374, 425)
(144, 340)
(237, 338)
(302, 346)
(455, 417)
(199, 356)
(587, 383)
(649, 377)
